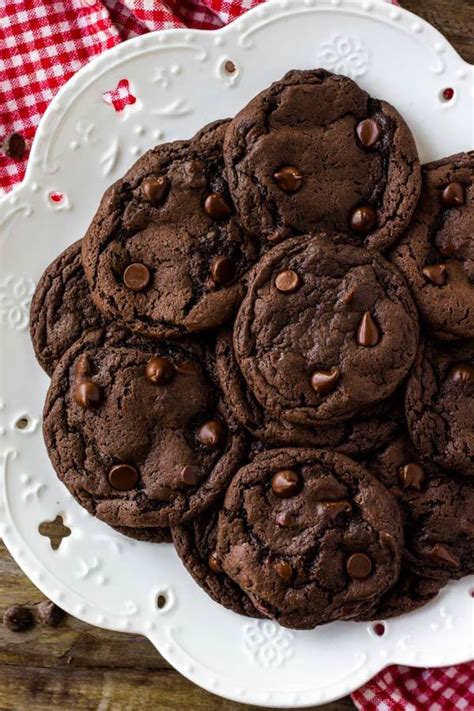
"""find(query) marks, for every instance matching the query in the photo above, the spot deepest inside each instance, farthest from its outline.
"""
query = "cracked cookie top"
(324, 332)
(135, 429)
(309, 535)
(436, 255)
(315, 152)
(165, 252)
(61, 309)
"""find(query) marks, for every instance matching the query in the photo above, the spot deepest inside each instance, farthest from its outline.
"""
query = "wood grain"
(80, 667)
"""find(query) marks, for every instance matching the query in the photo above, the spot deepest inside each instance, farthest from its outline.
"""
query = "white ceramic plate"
(180, 82)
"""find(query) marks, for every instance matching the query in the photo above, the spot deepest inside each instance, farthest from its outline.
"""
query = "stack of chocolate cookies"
(263, 350)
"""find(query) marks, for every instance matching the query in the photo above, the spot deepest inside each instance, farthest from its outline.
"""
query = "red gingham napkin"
(42, 44)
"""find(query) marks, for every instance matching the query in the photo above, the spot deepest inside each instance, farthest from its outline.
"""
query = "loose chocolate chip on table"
(289, 179)
(359, 566)
(88, 394)
(287, 282)
(212, 434)
(412, 476)
(123, 477)
(286, 483)
(213, 563)
(216, 207)
(18, 618)
(368, 334)
(368, 132)
(49, 614)
(14, 146)
(454, 195)
(324, 381)
(436, 273)
(160, 371)
(441, 553)
(283, 570)
(363, 219)
(155, 189)
(462, 373)
(223, 271)
(136, 277)
(190, 474)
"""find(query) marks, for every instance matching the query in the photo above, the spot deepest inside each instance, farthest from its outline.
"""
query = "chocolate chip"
(436, 273)
(123, 477)
(359, 566)
(363, 219)
(286, 483)
(368, 132)
(155, 189)
(216, 207)
(14, 146)
(324, 382)
(454, 195)
(368, 334)
(442, 554)
(284, 519)
(190, 474)
(348, 297)
(18, 618)
(462, 373)
(213, 563)
(288, 179)
(136, 277)
(283, 570)
(160, 371)
(412, 476)
(212, 434)
(83, 366)
(287, 282)
(49, 614)
(87, 394)
(223, 271)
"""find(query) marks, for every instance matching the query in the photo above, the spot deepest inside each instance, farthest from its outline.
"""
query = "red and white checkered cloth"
(42, 44)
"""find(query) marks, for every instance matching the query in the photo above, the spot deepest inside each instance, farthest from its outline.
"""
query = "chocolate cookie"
(436, 255)
(165, 252)
(195, 543)
(149, 535)
(310, 536)
(439, 405)
(437, 511)
(135, 430)
(61, 308)
(315, 152)
(368, 431)
(409, 593)
(324, 332)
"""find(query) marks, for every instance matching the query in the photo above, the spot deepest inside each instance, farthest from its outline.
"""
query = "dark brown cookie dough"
(314, 152)
(195, 543)
(437, 511)
(165, 252)
(368, 431)
(409, 593)
(436, 255)
(439, 405)
(61, 308)
(342, 340)
(135, 429)
(310, 536)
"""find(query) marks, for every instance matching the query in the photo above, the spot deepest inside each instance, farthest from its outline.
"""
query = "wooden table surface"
(76, 666)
